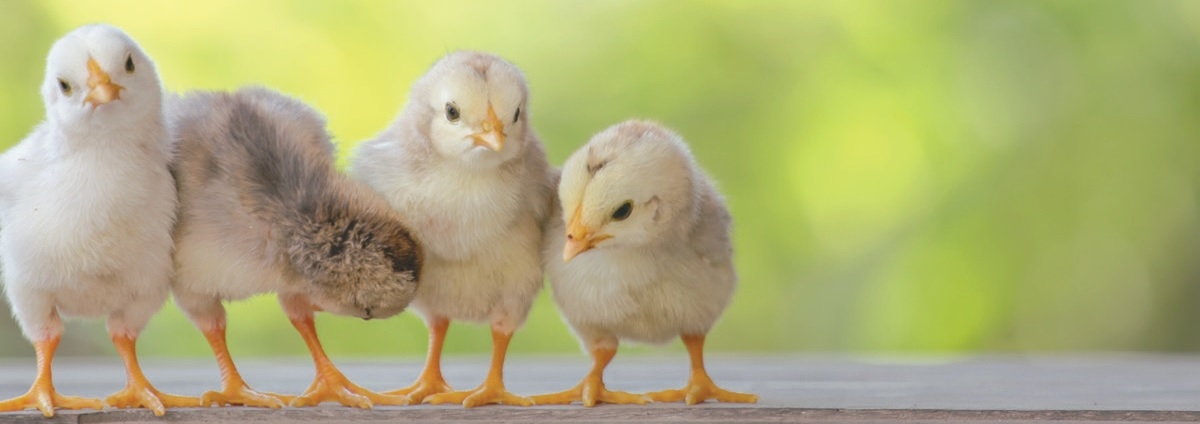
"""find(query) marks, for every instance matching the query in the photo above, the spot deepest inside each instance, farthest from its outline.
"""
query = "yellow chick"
(644, 256)
(86, 210)
(464, 164)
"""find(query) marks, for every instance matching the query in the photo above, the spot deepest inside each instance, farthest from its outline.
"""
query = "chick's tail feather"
(365, 255)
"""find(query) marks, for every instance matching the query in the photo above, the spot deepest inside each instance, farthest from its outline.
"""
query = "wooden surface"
(810, 388)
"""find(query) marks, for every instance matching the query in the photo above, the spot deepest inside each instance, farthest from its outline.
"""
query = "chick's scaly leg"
(700, 387)
(234, 390)
(138, 391)
(330, 384)
(492, 390)
(42, 394)
(591, 390)
(431, 381)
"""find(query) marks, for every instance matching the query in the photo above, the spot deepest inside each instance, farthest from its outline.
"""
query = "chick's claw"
(422, 389)
(244, 396)
(602, 395)
(144, 396)
(590, 392)
(320, 393)
(485, 395)
(339, 389)
(445, 398)
(699, 390)
(382, 399)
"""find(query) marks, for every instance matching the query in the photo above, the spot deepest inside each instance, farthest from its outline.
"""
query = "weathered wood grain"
(809, 388)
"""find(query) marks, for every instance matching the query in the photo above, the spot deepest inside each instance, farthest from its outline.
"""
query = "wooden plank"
(609, 414)
(1147, 388)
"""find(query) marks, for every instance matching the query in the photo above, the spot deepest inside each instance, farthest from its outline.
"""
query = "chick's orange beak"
(492, 135)
(579, 238)
(102, 88)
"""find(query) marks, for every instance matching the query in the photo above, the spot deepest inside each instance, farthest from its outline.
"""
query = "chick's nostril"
(570, 237)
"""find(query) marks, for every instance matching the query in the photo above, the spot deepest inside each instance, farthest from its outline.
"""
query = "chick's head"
(473, 106)
(366, 266)
(98, 75)
(631, 185)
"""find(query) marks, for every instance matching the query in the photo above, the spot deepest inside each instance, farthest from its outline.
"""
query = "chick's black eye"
(623, 212)
(517, 115)
(129, 63)
(64, 86)
(451, 112)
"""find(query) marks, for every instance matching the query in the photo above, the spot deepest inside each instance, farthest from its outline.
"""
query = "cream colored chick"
(462, 162)
(86, 209)
(262, 209)
(645, 256)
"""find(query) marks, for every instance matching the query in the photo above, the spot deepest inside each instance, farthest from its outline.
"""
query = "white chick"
(263, 209)
(462, 162)
(86, 207)
(645, 256)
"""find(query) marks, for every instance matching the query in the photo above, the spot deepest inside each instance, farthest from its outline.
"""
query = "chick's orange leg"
(330, 384)
(591, 390)
(42, 394)
(234, 390)
(138, 391)
(700, 387)
(492, 390)
(431, 381)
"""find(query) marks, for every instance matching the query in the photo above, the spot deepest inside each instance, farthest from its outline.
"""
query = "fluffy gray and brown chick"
(263, 209)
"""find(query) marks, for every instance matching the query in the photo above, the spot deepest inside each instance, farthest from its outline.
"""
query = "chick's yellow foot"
(42, 394)
(700, 389)
(590, 392)
(423, 388)
(146, 396)
(430, 382)
(243, 396)
(45, 399)
(335, 387)
(486, 394)
(492, 390)
(330, 384)
(138, 392)
(234, 390)
(322, 391)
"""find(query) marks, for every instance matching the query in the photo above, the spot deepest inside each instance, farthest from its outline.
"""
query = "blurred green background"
(905, 176)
